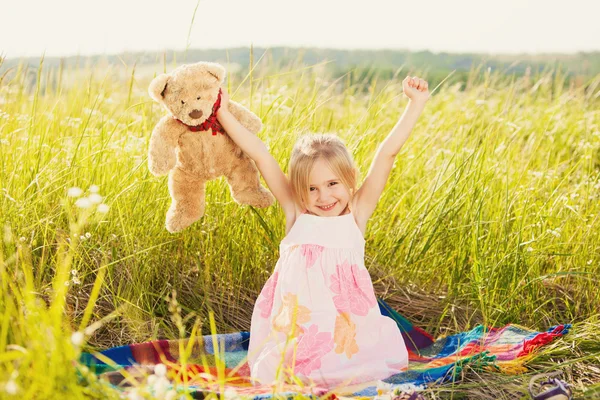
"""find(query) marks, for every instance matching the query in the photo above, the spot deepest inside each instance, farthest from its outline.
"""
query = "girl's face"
(328, 196)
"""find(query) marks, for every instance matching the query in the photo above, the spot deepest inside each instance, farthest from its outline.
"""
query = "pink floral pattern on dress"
(311, 252)
(267, 294)
(353, 289)
(291, 316)
(345, 335)
(312, 346)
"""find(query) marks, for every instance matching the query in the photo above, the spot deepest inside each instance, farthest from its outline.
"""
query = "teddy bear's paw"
(260, 198)
(160, 168)
(178, 220)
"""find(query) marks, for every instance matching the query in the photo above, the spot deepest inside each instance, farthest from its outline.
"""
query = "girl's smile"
(327, 207)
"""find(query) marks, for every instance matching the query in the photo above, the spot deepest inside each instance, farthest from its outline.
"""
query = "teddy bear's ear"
(158, 86)
(216, 70)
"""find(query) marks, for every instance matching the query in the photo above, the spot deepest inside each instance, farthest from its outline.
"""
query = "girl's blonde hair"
(312, 147)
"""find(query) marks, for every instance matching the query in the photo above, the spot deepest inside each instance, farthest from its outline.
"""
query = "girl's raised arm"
(368, 195)
(250, 144)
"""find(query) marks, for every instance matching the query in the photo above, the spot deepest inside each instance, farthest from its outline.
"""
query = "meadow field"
(491, 216)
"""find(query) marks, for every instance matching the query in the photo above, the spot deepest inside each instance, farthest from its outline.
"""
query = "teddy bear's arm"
(163, 142)
(246, 117)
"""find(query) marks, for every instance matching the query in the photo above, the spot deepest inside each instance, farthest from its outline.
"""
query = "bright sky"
(67, 27)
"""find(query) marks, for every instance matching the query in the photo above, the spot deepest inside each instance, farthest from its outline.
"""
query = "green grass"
(490, 214)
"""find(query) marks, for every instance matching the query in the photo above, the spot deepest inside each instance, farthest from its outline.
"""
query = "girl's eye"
(312, 189)
(182, 102)
(333, 183)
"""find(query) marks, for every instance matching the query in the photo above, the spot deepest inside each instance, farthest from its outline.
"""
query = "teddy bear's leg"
(245, 186)
(188, 203)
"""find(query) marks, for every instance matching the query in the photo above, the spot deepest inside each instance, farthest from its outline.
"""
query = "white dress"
(317, 316)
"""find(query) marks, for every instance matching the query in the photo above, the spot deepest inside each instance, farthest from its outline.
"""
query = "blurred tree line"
(357, 65)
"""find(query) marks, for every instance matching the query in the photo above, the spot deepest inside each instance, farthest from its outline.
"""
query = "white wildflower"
(77, 339)
(103, 208)
(151, 380)
(160, 370)
(555, 232)
(171, 394)
(134, 395)
(383, 391)
(74, 192)
(88, 235)
(84, 202)
(95, 198)
(11, 387)
(161, 386)
(406, 387)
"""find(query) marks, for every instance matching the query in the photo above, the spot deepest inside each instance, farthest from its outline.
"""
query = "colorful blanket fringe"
(431, 361)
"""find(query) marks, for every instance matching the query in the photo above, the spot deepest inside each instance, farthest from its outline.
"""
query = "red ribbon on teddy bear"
(211, 122)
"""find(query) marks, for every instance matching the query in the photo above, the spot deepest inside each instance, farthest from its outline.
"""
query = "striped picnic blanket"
(217, 363)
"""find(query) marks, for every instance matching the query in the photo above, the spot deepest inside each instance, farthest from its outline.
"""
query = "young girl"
(317, 317)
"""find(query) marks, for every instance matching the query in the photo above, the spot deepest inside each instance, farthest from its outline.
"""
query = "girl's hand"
(224, 98)
(224, 101)
(415, 88)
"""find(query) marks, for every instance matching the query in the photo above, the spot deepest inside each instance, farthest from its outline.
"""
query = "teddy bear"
(192, 147)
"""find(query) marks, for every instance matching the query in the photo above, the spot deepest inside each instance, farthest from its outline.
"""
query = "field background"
(490, 215)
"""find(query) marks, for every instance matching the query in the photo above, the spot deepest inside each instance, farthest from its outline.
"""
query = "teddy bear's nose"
(196, 114)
